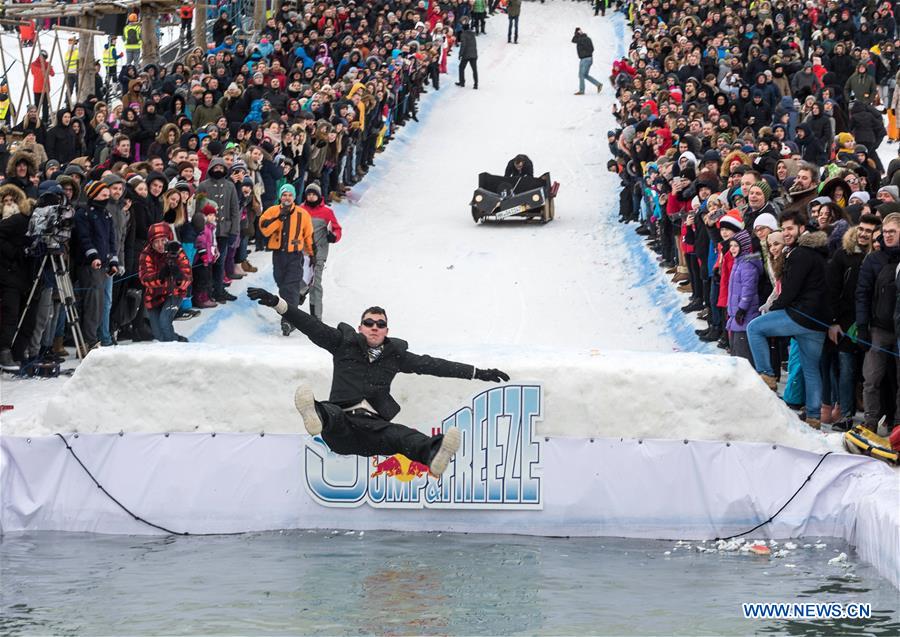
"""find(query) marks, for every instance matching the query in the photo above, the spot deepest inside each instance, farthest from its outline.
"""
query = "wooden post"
(64, 93)
(259, 16)
(149, 41)
(35, 47)
(86, 72)
(200, 25)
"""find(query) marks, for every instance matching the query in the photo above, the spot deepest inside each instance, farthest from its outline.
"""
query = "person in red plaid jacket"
(165, 273)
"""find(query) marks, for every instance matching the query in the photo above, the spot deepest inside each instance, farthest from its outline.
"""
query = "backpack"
(884, 297)
(131, 37)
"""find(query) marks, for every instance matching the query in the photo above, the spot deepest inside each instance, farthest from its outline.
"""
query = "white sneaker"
(449, 446)
(305, 403)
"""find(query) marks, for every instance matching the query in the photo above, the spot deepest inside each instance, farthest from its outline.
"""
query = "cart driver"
(519, 166)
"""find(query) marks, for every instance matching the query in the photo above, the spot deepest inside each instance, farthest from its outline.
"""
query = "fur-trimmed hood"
(848, 242)
(16, 158)
(815, 239)
(739, 155)
(18, 194)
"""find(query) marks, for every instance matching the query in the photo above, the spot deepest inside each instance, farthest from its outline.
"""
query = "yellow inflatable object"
(863, 441)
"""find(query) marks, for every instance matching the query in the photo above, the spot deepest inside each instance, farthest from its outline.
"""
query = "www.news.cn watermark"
(806, 610)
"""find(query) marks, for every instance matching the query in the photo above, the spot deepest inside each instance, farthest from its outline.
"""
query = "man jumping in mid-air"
(356, 418)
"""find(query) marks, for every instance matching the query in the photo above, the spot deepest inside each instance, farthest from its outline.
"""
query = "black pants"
(44, 105)
(287, 268)
(218, 273)
(187, 29)
(478, 22)
(462, 71)
(513, 20)
(361, 434)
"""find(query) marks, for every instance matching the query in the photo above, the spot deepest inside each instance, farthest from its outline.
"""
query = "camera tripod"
(66, 296)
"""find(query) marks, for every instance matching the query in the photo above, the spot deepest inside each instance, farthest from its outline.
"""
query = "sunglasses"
(380, 323)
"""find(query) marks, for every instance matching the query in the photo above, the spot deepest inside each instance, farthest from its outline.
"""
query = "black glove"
(740, 316)
(263, 297)
(863, 338)
(491, 375)
(331, 237)
(174, 272)
(172, 248)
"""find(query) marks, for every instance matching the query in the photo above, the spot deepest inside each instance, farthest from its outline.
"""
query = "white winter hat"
(766, 220)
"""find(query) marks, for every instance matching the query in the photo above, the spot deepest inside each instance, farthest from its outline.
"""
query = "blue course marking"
(650, 279)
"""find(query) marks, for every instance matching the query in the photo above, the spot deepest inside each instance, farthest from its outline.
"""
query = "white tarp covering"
(204, 483)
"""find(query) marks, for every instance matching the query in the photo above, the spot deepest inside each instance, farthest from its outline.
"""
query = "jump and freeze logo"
(497, 466)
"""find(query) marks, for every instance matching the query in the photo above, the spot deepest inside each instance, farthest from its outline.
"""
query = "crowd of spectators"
(169, 181)
(747, 149)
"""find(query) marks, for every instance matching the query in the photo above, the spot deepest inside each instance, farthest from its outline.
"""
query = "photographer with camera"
(165, 273)
(96, 256)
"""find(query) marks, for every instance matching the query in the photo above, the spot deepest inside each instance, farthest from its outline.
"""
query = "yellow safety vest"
(132, 27)
(109, 60)
(72, 61)
(4, 108)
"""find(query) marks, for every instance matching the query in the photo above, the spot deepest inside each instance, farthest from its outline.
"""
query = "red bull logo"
(398, 466)
(498, 464)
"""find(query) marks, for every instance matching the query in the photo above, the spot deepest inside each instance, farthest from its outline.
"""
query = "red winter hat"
(160, 231)
(733, 219)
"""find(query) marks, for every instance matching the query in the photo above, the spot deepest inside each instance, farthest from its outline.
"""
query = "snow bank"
(169, 387)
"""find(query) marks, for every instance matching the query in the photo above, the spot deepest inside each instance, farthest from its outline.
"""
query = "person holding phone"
(585, 50)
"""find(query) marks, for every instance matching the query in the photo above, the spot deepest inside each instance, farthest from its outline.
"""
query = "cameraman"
(165, 273)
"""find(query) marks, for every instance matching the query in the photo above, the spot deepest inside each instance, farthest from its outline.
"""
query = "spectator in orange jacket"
(290, 232)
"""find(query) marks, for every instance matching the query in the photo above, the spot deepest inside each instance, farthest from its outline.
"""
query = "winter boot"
(203, 301)
(449, 446)
(246, 266)
(843, 425)
(826, 414)
(770, 381)
(694, 306)
(713, 335)
(286, 328)
(235, 274)
(815, 423)
(6, 359)
(305, 403)
(58, 347)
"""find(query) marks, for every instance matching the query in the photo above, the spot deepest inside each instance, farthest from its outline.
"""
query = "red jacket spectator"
(163, 273)
(41, 72)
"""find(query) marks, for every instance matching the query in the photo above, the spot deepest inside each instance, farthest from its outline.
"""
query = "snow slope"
(410, 244)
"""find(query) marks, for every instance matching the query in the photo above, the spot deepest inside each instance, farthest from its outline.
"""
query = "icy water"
(392, 583)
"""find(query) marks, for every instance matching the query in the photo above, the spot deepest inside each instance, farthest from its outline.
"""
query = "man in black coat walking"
(585, 50)
(356, 418)
(468, 55)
